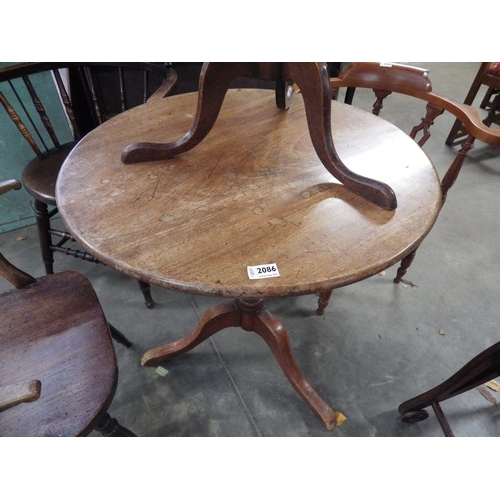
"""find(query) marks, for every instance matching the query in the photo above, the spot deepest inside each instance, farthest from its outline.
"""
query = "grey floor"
(377, 345)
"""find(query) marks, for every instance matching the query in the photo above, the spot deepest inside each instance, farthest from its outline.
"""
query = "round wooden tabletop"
(253, 192)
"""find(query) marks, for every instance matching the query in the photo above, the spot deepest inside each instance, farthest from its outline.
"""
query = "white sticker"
(386, 65)
(263, 271)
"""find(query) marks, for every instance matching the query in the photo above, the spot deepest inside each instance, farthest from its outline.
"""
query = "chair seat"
(78, 371)
(40, 174)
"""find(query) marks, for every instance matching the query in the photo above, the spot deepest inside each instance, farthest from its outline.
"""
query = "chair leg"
(324, 298)
(146, 292)
(457, 132)
(486, 102)
(452, 173)
(109, 427)
(349, 95)
(495, 106)
(405, 264)
(44, 237)
(119, 337)
(448, 181)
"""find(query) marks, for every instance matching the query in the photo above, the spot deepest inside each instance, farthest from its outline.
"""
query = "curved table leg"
(250, 315)
(275, 336)
(313, 80)
(215, 79)
(214, 320)
(314, 83)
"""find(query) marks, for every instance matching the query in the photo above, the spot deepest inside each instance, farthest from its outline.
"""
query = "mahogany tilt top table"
(253, 196)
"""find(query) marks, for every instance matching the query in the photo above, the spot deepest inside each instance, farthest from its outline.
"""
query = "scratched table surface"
(253, 192)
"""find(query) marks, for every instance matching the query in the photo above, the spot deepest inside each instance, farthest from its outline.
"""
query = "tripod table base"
(251, 315)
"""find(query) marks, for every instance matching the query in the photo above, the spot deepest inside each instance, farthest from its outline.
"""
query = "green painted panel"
(15, 152)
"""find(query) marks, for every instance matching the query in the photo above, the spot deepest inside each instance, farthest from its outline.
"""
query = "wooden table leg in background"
(251, 315)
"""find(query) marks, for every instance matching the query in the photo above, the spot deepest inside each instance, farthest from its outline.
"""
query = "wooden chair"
(98, 91)
(489, 75)
(385, 79)
(479, 370)
(58, 370)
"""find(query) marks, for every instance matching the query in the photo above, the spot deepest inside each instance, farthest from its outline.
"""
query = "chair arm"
(385, 76)
(22, 392)
(166, 87)
(10, 272)
(414, 82)
(14, 275)
(469, 116)
(8, 185)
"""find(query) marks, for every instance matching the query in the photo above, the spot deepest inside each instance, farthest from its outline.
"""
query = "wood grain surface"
(253, 192)
(70, 353)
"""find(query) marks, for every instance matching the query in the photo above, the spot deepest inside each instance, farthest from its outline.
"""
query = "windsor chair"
(90, 94)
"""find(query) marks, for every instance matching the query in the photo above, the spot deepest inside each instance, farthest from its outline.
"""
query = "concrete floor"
(377, 345)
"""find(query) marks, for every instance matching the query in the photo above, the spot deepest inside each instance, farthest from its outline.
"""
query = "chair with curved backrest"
(488, 75)
(93, 92)
(384, 79)
(58, 370)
